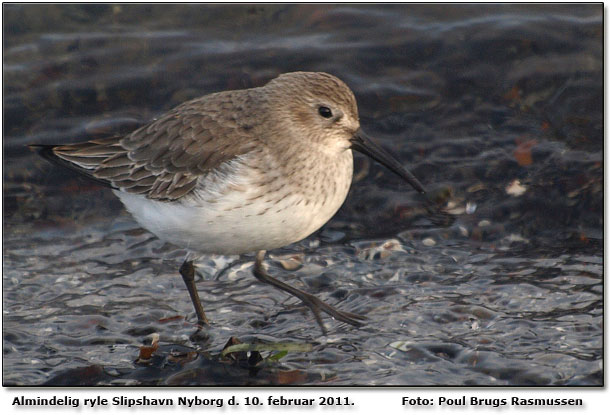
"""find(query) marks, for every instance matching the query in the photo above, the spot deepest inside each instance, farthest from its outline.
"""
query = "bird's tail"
(82, 158)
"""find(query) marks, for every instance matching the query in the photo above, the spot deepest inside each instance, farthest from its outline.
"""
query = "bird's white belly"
(235, 216)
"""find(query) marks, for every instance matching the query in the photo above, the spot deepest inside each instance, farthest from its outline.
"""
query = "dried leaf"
(287, 377)
(514, 94)
(146, 352)
(523, 152)
(172, 318)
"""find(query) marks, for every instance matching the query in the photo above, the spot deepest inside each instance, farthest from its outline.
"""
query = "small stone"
(428, 242)
(291, 262)
(515, 188)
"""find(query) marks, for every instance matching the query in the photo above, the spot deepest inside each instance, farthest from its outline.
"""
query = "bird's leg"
(315, 304)
(188, 275)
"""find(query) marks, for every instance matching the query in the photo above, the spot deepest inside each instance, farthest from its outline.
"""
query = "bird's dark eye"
(325, 112)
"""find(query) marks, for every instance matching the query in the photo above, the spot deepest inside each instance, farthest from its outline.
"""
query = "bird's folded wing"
(164, 159)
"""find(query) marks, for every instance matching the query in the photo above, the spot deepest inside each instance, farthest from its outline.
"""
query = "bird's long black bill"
(363, 144)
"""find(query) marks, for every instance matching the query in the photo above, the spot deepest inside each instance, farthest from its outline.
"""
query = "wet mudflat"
(497, 109)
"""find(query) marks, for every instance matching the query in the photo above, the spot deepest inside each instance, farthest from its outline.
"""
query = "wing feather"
(165, 159)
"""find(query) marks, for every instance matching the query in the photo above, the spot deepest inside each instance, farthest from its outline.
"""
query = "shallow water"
(473, 98)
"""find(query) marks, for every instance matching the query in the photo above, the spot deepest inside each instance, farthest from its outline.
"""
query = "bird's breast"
(244, 208)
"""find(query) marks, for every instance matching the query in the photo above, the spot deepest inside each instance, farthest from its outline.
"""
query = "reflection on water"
(496, 108)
